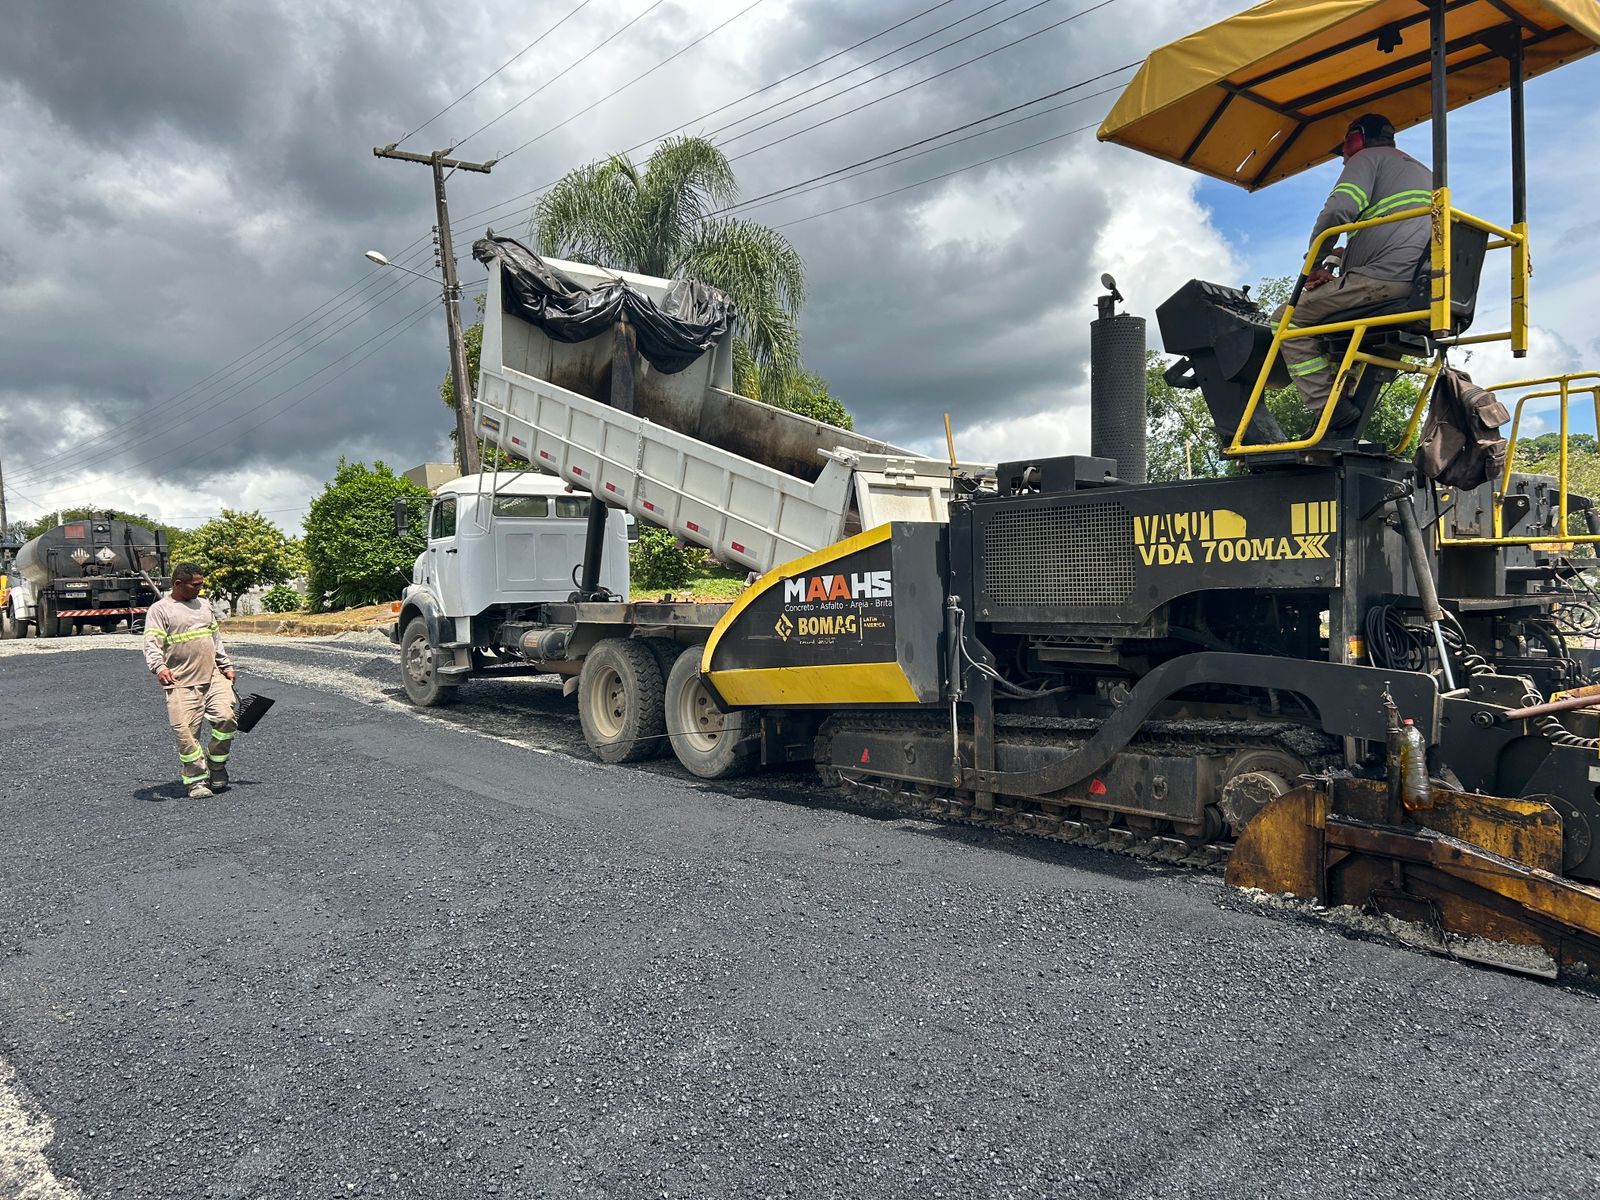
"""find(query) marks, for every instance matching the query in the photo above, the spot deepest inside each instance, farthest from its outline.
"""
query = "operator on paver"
(183, 648)
(1376, 266)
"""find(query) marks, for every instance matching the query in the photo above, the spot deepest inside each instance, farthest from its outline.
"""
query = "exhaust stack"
(1117, 399)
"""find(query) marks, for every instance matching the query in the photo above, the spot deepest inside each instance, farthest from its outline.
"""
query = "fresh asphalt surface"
(402, 958)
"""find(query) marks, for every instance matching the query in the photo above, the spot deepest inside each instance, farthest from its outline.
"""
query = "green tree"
(1183, 440)
(804, 392)
(239, 551)
(1541, 456)
(352, 552)
(664, 219)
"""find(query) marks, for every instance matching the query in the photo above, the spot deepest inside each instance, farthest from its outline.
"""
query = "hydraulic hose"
(1427, 592)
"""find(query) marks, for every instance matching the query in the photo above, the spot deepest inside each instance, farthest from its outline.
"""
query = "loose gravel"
(403, 958)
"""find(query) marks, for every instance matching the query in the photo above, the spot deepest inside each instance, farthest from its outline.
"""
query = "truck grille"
(1077, 554)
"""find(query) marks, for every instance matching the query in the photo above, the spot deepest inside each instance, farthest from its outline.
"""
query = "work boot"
(199, 791)
(219, 777)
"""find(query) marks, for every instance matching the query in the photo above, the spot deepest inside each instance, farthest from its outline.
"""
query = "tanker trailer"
(89, 572)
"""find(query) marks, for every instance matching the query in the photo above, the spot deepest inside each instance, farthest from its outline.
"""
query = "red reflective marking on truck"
(544, 454)
(1096, 788)
(737, 547)
(611, 487)
(650, 506)
(577, 470)
(516, 441)
(102, 612)
(692, 526)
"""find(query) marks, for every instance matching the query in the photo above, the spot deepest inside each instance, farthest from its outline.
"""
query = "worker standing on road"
(1378, 264)
(183, 648)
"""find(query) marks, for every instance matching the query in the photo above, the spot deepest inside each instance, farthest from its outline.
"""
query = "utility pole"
(4, 524)
(466, 432)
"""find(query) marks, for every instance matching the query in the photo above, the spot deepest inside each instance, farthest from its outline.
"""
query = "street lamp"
(374, 257)
(466, 444)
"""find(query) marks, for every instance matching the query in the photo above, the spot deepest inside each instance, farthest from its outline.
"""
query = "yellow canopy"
(1268, 93)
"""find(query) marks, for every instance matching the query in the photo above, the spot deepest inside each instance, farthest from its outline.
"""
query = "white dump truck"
(620, 386)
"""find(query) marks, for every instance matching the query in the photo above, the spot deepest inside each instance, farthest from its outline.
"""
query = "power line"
(301, 326)
(397, 329)
(634, 80)
(802, 187)
(871, 61)
(583, 5)
(560, 74)
(915, 84)
(867, 104)
(516, 200)
(935, 178)
(366, 286)
(811, 67)
(63, 468)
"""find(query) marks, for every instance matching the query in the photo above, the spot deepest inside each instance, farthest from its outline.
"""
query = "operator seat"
(1468, 246)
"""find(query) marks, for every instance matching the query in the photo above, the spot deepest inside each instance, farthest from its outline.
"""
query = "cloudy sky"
(186, 190)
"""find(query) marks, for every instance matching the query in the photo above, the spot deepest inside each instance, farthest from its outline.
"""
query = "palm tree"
(664, 221)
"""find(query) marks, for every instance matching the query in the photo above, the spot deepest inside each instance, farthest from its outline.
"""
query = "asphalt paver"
(404, 958)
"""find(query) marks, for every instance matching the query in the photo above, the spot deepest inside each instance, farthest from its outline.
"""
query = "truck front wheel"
(620, 701)
(709, 743)
(10, 627)
(420, 660)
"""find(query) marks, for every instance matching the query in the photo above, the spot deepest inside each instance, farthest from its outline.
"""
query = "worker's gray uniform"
(1378, 263)
(183, 636)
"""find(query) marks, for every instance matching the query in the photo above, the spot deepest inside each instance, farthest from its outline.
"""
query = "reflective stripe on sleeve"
(1353, 191)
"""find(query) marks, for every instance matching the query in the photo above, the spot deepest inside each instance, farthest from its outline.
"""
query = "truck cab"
(499, 545)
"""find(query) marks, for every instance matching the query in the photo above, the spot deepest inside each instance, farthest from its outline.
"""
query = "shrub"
(280, 599)
(657, 562)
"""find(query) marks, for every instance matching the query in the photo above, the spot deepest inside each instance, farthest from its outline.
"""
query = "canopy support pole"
(1441, 95)
(1519, 143)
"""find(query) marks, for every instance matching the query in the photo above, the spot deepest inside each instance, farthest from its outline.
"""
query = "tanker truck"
(96, 572)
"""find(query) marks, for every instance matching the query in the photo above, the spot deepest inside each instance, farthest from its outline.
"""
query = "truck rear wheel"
(48, 623)
(620, 698)
(709, 743)
(420, 660)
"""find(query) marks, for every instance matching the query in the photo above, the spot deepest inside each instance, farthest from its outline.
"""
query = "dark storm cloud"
(186, 180)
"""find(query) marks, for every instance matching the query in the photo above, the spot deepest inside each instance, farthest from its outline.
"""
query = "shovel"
(250, 711)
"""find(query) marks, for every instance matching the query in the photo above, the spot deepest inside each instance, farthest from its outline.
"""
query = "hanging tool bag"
(1462, 446)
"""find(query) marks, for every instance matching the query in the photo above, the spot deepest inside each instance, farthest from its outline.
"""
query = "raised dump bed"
(755, 485)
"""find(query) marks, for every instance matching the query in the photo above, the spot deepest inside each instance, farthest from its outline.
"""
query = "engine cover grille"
(1041, 555)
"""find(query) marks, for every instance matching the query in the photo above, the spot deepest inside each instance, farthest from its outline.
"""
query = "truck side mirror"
(632, 526)
(402, 516)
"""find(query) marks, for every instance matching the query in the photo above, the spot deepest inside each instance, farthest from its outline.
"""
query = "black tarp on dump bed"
(670, 335)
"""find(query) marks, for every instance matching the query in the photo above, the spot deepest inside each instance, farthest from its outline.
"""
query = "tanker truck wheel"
(709, 743)
(10, 627)
(620, 699)
(420, 660)
(48, 624)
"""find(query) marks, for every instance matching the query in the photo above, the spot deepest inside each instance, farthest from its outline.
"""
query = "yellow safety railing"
(1563, 388)
(1437, 317)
